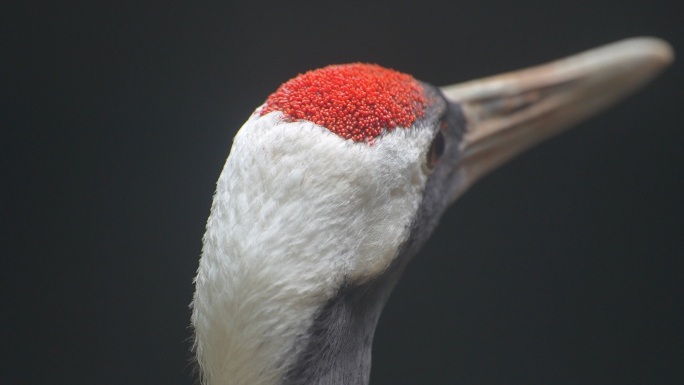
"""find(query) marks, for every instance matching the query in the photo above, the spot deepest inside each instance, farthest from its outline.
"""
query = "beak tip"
(666, 53)
(659, 52)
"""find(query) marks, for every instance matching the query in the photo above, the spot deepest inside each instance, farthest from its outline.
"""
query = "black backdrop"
(563, 267)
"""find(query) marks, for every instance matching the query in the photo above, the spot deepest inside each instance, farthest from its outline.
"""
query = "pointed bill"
(508, 113)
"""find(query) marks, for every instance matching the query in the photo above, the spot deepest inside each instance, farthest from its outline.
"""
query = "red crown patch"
(355, 101)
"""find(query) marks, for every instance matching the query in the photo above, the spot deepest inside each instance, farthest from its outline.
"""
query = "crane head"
(336, 181)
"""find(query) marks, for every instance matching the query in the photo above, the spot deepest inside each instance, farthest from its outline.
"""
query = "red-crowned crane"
(334, 184)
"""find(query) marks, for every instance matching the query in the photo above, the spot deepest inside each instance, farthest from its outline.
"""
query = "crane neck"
(337, 348)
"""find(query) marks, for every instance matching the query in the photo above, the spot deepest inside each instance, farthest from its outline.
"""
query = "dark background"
(563, 267)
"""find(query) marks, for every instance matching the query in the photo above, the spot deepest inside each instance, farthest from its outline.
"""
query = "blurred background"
(565, 266)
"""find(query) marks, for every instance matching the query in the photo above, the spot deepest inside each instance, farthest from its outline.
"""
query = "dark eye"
(436, 150)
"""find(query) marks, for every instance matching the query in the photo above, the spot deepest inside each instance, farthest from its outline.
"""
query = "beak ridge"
(508, 113)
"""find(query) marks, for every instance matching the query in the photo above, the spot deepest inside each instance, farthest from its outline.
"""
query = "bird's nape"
(335, 183)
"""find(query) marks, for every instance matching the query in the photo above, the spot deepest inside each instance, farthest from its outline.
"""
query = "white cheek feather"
(297, 211)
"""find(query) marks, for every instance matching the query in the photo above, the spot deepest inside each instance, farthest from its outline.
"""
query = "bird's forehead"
(355, 101)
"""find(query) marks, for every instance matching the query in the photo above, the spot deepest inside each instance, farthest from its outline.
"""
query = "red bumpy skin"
(355, 101)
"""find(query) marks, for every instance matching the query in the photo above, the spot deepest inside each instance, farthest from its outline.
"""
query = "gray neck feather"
(337, 349)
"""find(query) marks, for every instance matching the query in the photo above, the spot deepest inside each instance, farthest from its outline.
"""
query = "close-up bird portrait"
(301, 193)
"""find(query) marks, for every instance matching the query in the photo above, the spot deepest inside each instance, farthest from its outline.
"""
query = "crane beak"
(508, 113)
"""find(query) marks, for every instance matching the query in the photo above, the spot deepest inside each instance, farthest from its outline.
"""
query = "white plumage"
(297, 209)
